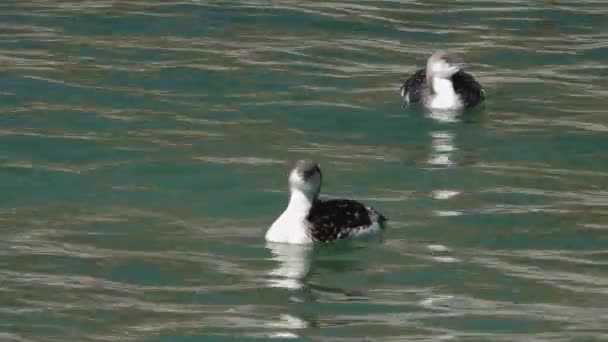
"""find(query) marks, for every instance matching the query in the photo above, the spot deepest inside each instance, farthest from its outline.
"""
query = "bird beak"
(463, 64)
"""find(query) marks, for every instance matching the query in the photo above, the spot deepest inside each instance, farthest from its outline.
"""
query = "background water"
(144, 147)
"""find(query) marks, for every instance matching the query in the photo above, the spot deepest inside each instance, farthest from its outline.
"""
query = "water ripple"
(145, 145)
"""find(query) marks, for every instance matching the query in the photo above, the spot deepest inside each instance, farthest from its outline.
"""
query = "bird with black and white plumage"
(443, 84)
(308, 219)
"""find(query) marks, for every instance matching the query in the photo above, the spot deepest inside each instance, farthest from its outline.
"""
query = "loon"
(443, 84)
(308, 219)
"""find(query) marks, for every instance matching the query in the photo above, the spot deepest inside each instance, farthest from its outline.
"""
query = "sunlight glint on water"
(145, 147)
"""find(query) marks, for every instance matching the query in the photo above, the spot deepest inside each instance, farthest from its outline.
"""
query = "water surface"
(144, 148)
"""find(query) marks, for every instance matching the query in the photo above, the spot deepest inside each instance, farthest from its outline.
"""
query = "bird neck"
(439, 85)
(442, 94)
(291, 226)
(300, 201)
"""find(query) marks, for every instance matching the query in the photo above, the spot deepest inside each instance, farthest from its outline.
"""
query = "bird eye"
(308, 173)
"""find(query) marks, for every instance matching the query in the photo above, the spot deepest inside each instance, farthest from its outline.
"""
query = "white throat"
(443, 95)
(290, 227)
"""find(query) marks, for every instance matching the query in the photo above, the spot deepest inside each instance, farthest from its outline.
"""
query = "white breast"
(287, 229)
(291, 227)
(444, 96)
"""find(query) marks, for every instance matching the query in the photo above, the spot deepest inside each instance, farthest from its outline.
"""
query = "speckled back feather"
(413, 87)
(340, 218)
(468, 88)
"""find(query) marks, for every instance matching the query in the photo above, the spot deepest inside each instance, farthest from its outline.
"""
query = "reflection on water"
(288, 325)
(445, 116)
(142, 154)
(442, 151)
(442, 145)
(293, 265)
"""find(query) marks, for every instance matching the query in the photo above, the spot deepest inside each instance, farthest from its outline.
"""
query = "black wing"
(337, 219)
(414, 86)
(469, 90)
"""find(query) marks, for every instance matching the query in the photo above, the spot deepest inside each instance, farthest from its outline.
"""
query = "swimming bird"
(308, 219)
(443, 84)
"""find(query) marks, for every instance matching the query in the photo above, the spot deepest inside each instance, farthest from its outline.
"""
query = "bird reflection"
(287, 325)
(444, 116)
(442, 150)
(293, 266)
(442, 144)
(294, 263)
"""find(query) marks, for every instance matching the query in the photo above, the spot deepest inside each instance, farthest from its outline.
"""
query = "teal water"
(144, 148)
